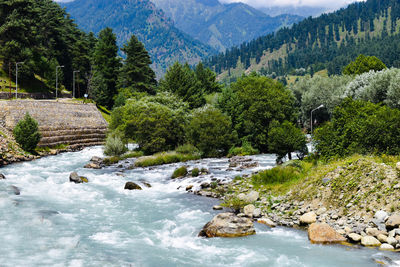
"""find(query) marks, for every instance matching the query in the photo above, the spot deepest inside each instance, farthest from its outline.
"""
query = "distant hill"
(329, 41)
(304, 11)
(222, 25)
(165, 43)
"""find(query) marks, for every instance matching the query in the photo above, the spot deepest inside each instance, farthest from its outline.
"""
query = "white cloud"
(315, 3)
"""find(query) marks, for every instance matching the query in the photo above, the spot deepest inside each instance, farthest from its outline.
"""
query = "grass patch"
(195, 172)
(165, 158)
(245, 150)
(105, 113)
(180, 172)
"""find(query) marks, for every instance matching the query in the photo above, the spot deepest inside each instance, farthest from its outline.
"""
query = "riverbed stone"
(393, 221)
(217, 207)
(308, 218)
(382, 238)
(132, 186)
(354, 237)
(381, 216)
(391, 241)
(322, 233)
(370, 241)
(374, 231)
(228, 225)
(252, 196)
(189, 187)
(74, 177)
(257, 213)
(2, 176)
(321, 211)
(248, 210)
(267, 222)
(386, 247)
(398, 166)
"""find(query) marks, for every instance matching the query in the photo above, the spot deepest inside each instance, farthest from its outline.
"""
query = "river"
(54, 222)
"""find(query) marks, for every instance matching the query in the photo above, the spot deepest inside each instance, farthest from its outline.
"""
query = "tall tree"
(106, 68)
(207, 78)
(136, 73)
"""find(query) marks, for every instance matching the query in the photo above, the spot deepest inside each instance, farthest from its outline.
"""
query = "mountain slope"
(165, 43)
(327, 42)
(222, 25)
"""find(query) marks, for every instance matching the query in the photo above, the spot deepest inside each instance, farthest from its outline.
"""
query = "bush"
(245, 150)
(180, 172)
(187, 149)
(26, 133)
(195, 172)
(114, 146)
(234, 203)
(164, 158)
(364, 64)
(277, 175)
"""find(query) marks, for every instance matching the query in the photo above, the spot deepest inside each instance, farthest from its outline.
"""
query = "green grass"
(105, 113)
(180, 172)
(48, 149)
(165, 158)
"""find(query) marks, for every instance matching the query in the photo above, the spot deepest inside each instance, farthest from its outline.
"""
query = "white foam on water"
(112, 238)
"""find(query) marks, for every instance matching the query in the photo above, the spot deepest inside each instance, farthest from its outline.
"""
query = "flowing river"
(54, 222)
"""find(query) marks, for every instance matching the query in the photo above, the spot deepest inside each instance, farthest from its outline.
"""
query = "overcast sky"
(316, 3)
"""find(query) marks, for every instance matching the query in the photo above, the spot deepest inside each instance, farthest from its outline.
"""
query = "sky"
(313, 3)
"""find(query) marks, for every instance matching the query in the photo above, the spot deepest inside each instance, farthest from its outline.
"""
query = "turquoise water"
(57, 223)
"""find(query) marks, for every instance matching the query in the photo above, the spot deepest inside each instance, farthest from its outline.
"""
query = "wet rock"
(2, 176)
(322, 233)
(217, 207)
(249, 165)
(228, 225)
(370, 241)
(95, 163)
(382, 238)
(148, 185)
(15, 190)
(353, 237)
(248, 210)
(205, 185)
(132, 186)
(393, 221)
(308, 218)
(267, 222)
(74, 177)
(92, 165)
(386, 247)
(189, 187)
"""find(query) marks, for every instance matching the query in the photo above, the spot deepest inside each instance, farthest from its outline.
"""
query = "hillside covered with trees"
(329, 41)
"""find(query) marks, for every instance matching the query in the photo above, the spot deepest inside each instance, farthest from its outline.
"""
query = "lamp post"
(16, 78)
(57, 78)
(73, 78)
(311, 123)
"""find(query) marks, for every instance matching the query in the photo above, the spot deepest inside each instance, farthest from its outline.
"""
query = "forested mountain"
(304, 11)
(222, 25)
(42, 36)
(165, 43)
(330, 42)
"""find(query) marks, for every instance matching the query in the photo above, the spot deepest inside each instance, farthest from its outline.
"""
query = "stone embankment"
(60, 122)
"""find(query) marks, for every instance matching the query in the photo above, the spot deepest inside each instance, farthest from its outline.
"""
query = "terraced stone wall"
(74, 124)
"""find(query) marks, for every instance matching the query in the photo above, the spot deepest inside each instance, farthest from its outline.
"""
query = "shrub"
(180, 172)
(364, 64)
(195, 172)
(245, 150)
(26, 133)
(234, 203)
(277, 175)
(187, 149)
(114, 146)
(164, 158)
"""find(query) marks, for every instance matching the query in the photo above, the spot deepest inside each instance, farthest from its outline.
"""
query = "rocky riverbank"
(359, 200)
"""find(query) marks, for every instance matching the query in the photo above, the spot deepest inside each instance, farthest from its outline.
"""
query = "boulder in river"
(353, 237)
(322, 233)
(95, 163)
(2, 176)
(228, 225)
(267, 222)
(74, 177)
(370, 241)
(15, 190)
(132, 186)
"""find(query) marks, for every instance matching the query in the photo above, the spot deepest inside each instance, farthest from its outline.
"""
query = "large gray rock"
(252, 196)
(228, 225)
(370, 241)
(393, 221)
(132, 186)
(248, 210)
(322, 233)
(74, 177)
(386, 247)
(381, 216)
(308, 218)
(391, 241)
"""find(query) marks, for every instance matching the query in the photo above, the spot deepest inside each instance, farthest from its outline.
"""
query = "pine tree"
(106, 67)
(136, 73)
(207, 78)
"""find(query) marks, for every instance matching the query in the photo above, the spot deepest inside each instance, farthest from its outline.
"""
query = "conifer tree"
(207, 78)
(136, 73)
(106, 66)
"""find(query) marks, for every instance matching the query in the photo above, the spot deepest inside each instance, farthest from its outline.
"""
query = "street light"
(311, 123)
(16, 78)
(73, 83)
(57, 78)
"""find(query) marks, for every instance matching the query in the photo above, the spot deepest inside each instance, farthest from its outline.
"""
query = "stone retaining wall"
(69, 123)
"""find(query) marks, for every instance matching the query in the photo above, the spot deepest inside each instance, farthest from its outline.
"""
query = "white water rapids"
(54, 222)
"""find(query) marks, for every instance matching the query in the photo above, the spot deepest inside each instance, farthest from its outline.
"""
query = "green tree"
(182, 81)
(285, 138)
(106, 68)
(136, 73)
(208, 79)
(364, 64)
(26, 133)
(210, 131)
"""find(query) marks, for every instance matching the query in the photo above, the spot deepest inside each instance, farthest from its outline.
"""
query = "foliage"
(114, 146)
(180, 172)
(359, 127)
(155, 123)
(285, 138)
(195, 172)
(106, 67)
(244, 150)
(364, 64)
(207, 79)
(187, 149)
(26, 133)
(164, 158)
(136, 73)
(235, 203)
(253, 102)
(210, 131)
(182, 81)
